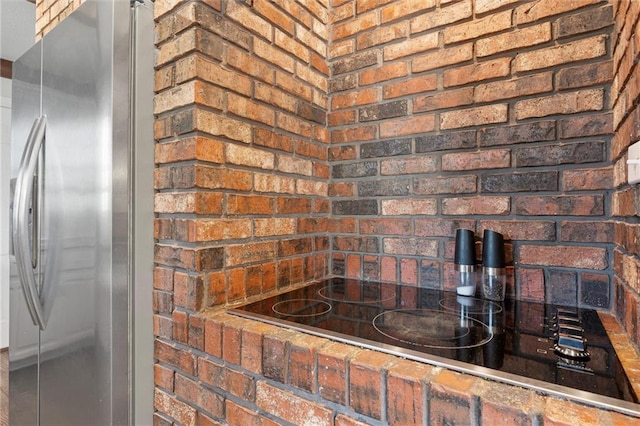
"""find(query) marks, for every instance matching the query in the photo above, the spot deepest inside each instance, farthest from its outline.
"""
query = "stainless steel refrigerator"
(80, 348)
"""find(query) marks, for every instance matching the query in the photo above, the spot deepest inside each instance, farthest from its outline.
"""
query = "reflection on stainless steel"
(426, 325)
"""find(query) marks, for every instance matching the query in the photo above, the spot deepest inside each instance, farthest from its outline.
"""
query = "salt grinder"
(493, 266)
(465, 262)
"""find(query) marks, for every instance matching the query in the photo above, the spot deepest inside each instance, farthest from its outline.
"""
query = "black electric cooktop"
(559, 350)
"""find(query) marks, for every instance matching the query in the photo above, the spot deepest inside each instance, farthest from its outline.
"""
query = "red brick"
(291, 407)
(478, 116)
(565, 256)
(411, 46)
(578, 50)
(486, 205)
(442, 58)
(568, 205)
(479, 27)
(443, 100)
(401, 9)
(525, 37)
(180, 326)
(514, 88)
(545, 8)
(531, 284)
(349, 28)
(451, 398)
(522, 230)
(163, 377)
(407, 126)
(405, 392)
(237, 415)
(441, 16)
(411, 86)
(178, 410)
(366, 383)
(175, 357)
(564, 103)
(199, 396)
(381, 35)
(492, 159)
(477, 72)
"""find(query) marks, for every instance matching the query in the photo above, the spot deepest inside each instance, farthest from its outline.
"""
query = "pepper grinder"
(493, 266)
(465, 262)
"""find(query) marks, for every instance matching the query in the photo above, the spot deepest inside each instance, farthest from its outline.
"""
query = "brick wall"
(625, 206)
(242, 174)
(476, 114)
(50, 12)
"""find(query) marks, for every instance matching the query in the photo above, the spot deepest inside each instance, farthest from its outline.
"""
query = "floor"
(4, 387)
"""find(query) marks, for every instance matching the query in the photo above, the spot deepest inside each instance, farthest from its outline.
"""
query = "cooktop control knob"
(569, 335)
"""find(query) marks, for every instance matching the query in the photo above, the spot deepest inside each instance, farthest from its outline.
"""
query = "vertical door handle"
(25, 243)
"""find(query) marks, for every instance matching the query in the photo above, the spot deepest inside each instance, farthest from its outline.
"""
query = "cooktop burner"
(560, 350)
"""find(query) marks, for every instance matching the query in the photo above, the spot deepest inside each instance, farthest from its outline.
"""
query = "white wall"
(5, 166)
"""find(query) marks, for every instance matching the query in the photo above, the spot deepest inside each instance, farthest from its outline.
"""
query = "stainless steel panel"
(143, 216)
(23, 335)
(76, 346)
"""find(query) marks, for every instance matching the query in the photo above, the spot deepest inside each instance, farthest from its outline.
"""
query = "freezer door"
(77, 352)
(23, 334)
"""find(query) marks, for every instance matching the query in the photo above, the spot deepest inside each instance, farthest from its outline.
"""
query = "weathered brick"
(383, 111)
(444, 99)
(506, 135)
(354, 207)
(354, 62)
(361, 22)
(587, 179)
(386, 148)
(479, 27)
(410, 86)
(357, 98)
(560, 205)
(565, 256)
(575, 153)
(564, 103)
(517, 39)
(587, 125)
(381, 35)
(178, 410)
(546, 8)
(492, 159)
(407, 126)
(584, 75)
(441, 16)
(385, 187)
(445, 185)
(585, 22)
(446, 141)
(514, 88)
(351, 170)
(410, 47)
(522, 230)
(486, 205)
(599, 232)
(442, 58)
(290, 407)
(477, 72)
(402, 8)
(520, 182)
(366, 384)
(415, 165)
(477, 116)
(578, 50)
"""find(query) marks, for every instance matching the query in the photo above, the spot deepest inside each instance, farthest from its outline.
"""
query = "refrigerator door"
(23, 334)
(76, 347)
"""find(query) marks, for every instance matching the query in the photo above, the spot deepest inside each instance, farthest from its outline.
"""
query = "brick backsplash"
(497, 113)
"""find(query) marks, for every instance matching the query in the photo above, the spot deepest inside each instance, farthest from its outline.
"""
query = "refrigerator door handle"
(26, 243)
